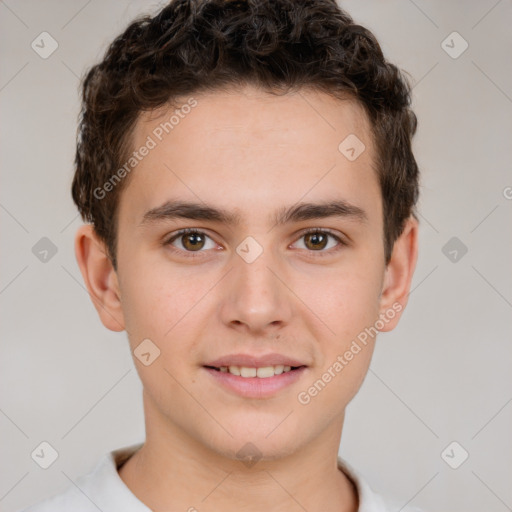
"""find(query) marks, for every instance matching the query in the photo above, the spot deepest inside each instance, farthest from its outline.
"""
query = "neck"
(173, 471)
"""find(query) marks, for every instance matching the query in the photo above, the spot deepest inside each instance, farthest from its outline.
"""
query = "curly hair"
(206, 45)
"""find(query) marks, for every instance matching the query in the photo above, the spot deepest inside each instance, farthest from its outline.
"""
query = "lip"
(255, 387)
(252, 361)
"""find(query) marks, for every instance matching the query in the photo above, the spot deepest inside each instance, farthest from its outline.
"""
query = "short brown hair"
(198, 45)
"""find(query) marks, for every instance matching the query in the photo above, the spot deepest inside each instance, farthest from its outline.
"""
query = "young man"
(246, 172)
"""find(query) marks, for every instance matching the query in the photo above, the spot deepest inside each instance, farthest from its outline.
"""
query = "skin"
(250, 153)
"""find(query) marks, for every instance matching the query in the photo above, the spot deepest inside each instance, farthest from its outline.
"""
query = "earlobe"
(100, 277)
(398, 275)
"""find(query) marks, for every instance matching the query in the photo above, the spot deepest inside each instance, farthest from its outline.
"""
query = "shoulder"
(370, 501)
(100, 489)
(70, 499)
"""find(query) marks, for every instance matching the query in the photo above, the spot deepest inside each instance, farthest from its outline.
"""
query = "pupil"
(193, 240)
(318, 238)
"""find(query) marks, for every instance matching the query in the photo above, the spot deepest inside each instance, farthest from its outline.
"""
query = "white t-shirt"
(103, 490)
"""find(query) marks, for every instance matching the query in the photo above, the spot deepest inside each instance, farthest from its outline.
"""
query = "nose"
(256, 297)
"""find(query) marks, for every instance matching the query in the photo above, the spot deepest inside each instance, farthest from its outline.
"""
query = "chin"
(260, 440)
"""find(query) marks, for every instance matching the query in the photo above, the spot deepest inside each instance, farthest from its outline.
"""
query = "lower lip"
(255, 387)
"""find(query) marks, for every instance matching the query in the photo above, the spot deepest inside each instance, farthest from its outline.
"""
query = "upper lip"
(251, 361)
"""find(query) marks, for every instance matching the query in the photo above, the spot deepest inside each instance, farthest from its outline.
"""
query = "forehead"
(247, 147)
(233, 114)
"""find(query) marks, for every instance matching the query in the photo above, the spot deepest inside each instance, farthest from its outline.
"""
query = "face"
(282, 266)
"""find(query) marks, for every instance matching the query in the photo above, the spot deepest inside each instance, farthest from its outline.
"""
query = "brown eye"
(320, 241)
(192, 241)
(316, 241)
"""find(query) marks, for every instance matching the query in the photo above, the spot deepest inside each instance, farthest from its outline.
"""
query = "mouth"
(262, 372)
(249, 376)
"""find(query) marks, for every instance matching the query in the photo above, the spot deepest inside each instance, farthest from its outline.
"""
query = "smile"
(263, 372)
(250, 382)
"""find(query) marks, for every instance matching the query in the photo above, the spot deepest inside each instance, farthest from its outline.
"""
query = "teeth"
(266, 371)
(278, 369)
(234, 370)
(262, 373)
(247, 372)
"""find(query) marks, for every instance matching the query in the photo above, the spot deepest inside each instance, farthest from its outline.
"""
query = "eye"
(190, 240)
(316, 240)
(196, 241)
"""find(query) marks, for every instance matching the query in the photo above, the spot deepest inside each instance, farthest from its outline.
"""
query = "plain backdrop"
(442, 376)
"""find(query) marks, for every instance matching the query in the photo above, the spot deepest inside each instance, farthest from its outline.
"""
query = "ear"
(398, 275)
(99, 277)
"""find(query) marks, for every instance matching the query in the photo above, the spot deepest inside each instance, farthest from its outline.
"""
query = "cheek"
(156, 298)
(331, 388)
(161, 309)
(345, 355)
(347, 302)
(146, 309)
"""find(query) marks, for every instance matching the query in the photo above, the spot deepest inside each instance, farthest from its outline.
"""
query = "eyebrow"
(171, 210)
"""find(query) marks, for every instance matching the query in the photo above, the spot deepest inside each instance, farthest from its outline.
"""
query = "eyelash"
(196, 254)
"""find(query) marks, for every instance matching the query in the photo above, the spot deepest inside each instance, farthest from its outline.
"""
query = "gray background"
(443, 375)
